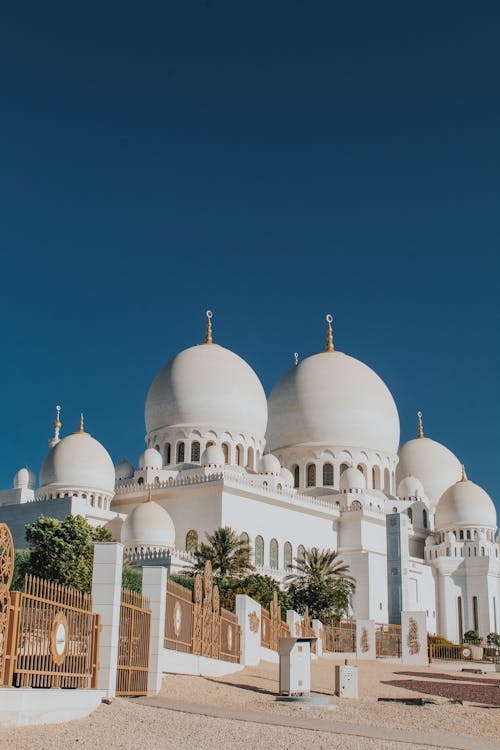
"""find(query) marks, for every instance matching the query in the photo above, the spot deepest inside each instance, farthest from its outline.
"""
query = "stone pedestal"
(414, 638)
(248, 613)
(154, 586)
(106, 601)
(294, 622)
(366, 647)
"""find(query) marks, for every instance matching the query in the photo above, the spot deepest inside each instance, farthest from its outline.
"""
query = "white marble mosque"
(318, 463)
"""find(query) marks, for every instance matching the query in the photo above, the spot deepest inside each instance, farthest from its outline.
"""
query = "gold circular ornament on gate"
(59, 638)
(177, 618)
(229, 638)
(466, 652)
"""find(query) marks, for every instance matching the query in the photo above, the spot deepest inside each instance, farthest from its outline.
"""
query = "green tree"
(227, 552)
(321, 581)
(260, 588)
(63, 551)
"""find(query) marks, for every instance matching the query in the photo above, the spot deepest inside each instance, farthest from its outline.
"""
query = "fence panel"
(388, 640)
(340, 638)
(229, 636)
(6, 573)
(179, 618)
(265, 628)
(55, 642)
(444, 650)
(133, 644)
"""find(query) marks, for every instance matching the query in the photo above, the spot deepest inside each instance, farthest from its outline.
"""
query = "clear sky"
(272, 161)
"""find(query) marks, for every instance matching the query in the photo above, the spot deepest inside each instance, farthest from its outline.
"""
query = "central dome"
(207, 387)
(332, 399)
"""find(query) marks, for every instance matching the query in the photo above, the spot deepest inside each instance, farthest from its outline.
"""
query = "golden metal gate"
(388, 640)
(133, 644)
(6, 573)
(272, 627)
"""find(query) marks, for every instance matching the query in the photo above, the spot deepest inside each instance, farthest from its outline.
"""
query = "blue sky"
(271, 161)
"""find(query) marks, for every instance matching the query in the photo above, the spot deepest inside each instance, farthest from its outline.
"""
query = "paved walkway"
(433, 739)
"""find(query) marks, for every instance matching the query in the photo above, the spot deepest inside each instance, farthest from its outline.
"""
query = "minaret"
(329, 335)
(57, 426)
(208, 334)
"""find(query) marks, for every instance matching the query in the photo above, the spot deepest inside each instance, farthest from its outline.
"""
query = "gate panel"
(133, 644)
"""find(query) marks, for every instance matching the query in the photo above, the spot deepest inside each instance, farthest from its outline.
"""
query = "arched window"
(239, 455)
(180, 453)
(191, 540)
(410, 514)
(244, 538)
(343, 467)
(362, 469)
(475, 613)
(425, 518)
(311, 475)
(273, 554)
(157, 448)
(166, 454)
(327, 475)
(356, 505)
(250, 459)
(140, 480)
(259, 551)
(225, 450)
(301, 553)
(287, 556)
(157, 481)
(296, 476)
(376, 478)
(195, 451)
(387, 480)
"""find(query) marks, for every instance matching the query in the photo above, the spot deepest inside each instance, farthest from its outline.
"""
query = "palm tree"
(320, 567)
(227, 552)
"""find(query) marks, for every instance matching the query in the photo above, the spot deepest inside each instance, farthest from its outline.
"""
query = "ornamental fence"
(272, 627)
(340, 638)
(133, 644)
(195, 623)
(388, 640)
(440, 649)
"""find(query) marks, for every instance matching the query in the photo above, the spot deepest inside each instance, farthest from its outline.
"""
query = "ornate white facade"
(333, 475)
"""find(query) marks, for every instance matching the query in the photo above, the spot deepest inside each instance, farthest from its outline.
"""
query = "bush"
(493, 639)
(472, 636)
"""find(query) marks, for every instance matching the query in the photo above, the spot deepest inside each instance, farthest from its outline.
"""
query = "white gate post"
(249, 617)
(414, 638)
(317, 626)
(154, 586)
(106, 601)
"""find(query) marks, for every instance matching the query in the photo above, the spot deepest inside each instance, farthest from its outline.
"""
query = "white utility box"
(346, 681)
(295, 665)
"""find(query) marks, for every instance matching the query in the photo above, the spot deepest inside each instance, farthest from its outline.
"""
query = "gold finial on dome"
(464, 475)
(208, 334)
(80, 429)
(149, 498)
(420, 433)
(329, 335)
(57, 423)
(295, 358)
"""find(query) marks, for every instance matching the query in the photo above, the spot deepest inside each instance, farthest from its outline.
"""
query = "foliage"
(183, 579)
(472, 636)
(439, 640)
(63, 551)
(321, 582)
(493, 639)
(21, 566)
(228, 553)
(131, 576)
(260, 588)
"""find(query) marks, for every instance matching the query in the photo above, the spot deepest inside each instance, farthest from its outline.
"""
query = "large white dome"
(78, 461)
(207, 387)
(465, 504)
(148, 525)
(332, 399)
(432, 463)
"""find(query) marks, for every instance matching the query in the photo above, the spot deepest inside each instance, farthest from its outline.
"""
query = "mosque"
(319, 463)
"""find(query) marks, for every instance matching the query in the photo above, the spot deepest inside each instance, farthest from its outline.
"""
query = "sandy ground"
(127, 724)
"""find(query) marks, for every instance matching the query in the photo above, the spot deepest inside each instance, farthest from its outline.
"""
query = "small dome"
(332, 399)
(410, 487)
(269, 464)
(432, 463)
(24, 478)
(207, 387)
(287, 477)
(352, 479)
(124, 470)
(212, 456)
(465, 504)
(148, 525)
(151, 459)
(78, 461)
(115, 528)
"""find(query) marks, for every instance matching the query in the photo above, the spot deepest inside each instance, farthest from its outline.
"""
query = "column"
(154, 586)
(106, 600)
